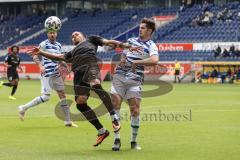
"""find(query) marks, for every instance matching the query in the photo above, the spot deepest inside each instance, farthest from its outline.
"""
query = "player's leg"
(45, 91)
(15, 85)
(10, 79)
(175, 77)
(91, 77)
(14, 88)
(117, 101)
(13, 81)
(36, 101)
(133, 95)
(117, 93)
(65, 108)
(58, 85)
(106, 99)
(134, 104)
(90, 115)
(6, 84)
(82, 90)
(179, 79)
(177, 74)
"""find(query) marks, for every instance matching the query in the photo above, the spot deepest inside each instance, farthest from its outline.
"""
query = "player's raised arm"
(148, 61)
(53, 56)
(115, 43)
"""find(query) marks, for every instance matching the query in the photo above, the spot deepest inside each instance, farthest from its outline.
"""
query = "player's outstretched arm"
(148, 61)
(114, 44)
(53, 56)
(7, 65)
(152, 60)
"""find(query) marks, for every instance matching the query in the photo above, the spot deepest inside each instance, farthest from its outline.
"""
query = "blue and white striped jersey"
(149, 49)
(51, 67)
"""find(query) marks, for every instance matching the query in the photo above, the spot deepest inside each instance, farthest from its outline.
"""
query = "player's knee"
(81, 99)
(95, 82)
(44, 98)
(116, 102)
(98, 89)
(61, 94)
(134, 110)
(13, 83)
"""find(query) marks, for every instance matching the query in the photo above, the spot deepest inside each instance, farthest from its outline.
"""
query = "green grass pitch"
(207, 127)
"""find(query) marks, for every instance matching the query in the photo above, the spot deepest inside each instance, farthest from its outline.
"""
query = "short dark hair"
(14, 46)
(80, 33)
(149, 23)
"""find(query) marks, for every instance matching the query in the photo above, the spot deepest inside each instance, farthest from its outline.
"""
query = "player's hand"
(136, 48)
(64, 70)
(110, 47)
(33, 51)
(20, 68)
(8, 66)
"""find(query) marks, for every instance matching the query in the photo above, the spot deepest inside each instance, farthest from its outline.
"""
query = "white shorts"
(51, 83)
(126, 88)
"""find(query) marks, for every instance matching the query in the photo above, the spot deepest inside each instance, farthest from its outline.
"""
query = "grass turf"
(212, 131)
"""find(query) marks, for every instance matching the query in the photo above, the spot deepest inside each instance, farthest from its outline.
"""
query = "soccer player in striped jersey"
(50, 79)
(129, 76)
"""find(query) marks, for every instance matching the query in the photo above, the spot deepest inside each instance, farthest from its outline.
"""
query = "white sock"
(117, 134)
(65, 109)
(33, 103)
(101, 131)
(117, 111)
(115, 117)
(135, 123)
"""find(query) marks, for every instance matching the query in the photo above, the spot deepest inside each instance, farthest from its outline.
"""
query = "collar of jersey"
(51, 42)
(139, 39)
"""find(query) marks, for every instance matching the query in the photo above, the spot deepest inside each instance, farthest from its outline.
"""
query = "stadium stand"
(17, 28)
(219, 31)
(112, 23)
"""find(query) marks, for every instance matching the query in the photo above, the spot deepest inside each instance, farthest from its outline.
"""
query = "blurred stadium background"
(189, 31)
(203, 36)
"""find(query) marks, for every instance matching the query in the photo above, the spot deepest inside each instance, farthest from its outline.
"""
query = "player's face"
(77, 37)
(144, 32)
(52, 36)
(15, 50)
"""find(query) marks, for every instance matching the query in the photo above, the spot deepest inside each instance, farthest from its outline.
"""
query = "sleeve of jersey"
(68, 55)
(98, 41)
(153, 50)
(125, 51)
(6, 59)
(42, 46)
(19, 61)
